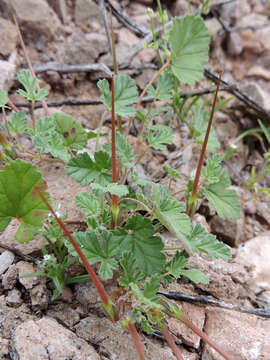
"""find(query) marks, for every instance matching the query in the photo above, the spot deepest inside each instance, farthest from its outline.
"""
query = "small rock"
(256, 253)
(39, 297)
(231, 12)
(14, 298)
(7, 75)
(46, 339)
(243, 336)
(65, 314)
(220, 273)
(8, 37)
(34, 15)
(259, 72)
(4, 348)
(180, 8)
(81, 48)
(252, 18)
(87, 12)
(257, 94)
(230, 231)
(8, 235)
(234, 44)
(6, 259)
(103, 332)
(251, 42)
(27, 268)
(147, 55)
(196, 315)
(59, 6)
(263, 210)
(9, 279)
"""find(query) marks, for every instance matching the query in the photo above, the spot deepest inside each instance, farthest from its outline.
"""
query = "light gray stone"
(9, 279)
(8, 37)
(35, 16)
(6, 259)
(27, 268)
(7, 74)
(103, 332)
(59, 6)
(81, 48)
(13, 298)
(87, 12)
(256, 253)
(46, 339)
(243, 336)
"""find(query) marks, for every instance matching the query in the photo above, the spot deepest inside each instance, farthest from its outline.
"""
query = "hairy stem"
(193, 198)
(107, 303)
(172, 310)
(136, 339)
(115, 208)
(170, 341)
(138, 202)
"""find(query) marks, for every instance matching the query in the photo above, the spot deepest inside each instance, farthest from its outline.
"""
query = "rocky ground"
(71, 32)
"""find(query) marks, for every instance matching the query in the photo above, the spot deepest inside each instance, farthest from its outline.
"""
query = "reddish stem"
(136, 339)
(114, 165)
(102, 293)
(154, 78)
(171, 342)
(13, 107)
(201, 160)
(44, 104)
(205, 337)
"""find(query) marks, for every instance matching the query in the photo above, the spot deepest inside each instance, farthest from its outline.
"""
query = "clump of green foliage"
(123, 219)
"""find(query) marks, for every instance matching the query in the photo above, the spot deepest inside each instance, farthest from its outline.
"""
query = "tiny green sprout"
(172, 174)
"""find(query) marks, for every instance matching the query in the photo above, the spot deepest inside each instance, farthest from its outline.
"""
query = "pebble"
(6, 259)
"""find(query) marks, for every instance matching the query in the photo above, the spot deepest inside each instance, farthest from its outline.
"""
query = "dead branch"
(208, 300)
(106, 24)
(65, 68)
(234, 90)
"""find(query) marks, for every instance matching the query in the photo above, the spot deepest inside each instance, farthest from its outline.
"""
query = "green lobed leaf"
(97, 250)
(88, 203)
(48, 140)
(189, 41)
(176, 265)
(112, 188)
(18, 125)
(158, 135)
(138, 238)
(165, 84)
(18, 198)
(224, 200)
(124, 151)
(73, 134)
(213, 170)
(171, 171)
(200, 124)
(150, 289)
(30, 84)
(196, 276)
(169, 212)
(3, 99)
(131, 272)
(125, 94)
(84, 170)
(201, 240)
